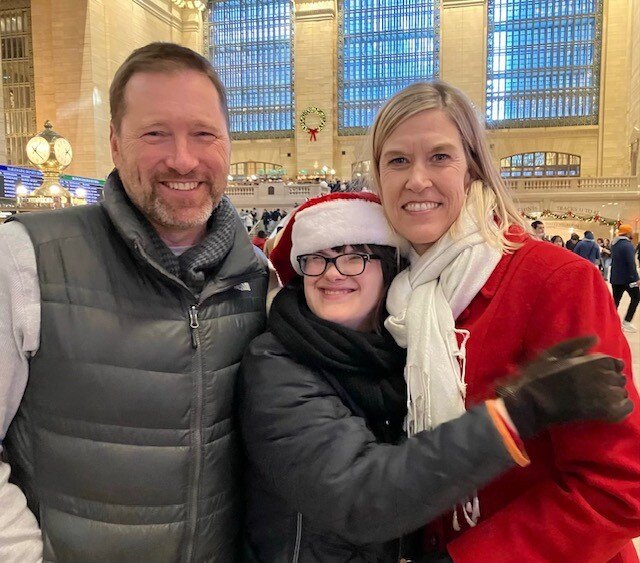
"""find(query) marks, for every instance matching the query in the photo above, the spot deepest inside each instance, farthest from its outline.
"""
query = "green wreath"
(319, 127)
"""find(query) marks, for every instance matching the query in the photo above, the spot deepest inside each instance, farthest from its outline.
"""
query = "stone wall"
(3, 143)
(633, 116)
(80, 43)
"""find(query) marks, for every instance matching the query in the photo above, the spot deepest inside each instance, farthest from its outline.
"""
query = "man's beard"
(162, 213)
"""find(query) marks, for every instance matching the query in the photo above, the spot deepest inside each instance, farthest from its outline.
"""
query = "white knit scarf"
(423, 302)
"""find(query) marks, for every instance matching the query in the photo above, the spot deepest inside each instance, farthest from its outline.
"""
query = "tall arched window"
(543, 62)
(384, 45)
(18, 85)
(537, 164)
(250, 47)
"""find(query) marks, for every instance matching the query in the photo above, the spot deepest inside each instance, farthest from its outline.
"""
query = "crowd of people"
(616, 260)
(430, 383)
(269, 218)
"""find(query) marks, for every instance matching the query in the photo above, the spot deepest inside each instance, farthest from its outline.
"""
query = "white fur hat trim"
(341, 222)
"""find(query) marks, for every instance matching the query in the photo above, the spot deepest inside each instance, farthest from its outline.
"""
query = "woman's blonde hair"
(487, 195)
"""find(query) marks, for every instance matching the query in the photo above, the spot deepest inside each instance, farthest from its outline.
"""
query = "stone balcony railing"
(613, 198)
(272, 194)
(279, 194)
(600, 184)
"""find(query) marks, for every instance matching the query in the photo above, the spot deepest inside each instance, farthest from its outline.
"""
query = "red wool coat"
(579, 500)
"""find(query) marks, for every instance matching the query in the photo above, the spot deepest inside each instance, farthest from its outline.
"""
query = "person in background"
(538, 230)
(588, 248)
(624, 274)
(122, 326)
(478, 296)
(323, 401)
(573, 240)
(607, 245)
(247, 219)
(557, 240)
(605, 257)
(266, 220)
(259, 239)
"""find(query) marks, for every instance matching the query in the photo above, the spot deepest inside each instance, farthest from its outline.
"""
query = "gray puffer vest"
(125, 442)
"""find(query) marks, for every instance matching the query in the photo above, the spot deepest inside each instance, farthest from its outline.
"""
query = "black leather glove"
(564, 385)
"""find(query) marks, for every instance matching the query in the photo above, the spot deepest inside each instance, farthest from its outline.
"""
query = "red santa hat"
(337, 219)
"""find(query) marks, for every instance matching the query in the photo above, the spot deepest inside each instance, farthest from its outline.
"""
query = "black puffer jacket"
(320, 489)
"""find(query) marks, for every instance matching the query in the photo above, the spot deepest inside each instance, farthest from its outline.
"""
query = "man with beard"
(121, 328)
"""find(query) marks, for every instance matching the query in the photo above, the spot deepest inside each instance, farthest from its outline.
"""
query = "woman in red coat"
(480, 297)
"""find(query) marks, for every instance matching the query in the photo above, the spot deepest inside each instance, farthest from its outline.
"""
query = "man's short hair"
(165, 58)
(536, 224)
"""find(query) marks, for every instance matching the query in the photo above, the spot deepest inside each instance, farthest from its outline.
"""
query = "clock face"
(63, 152)
(38, 150)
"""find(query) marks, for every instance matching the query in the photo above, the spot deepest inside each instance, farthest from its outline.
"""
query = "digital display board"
(92, 186)
(31, 179)
(12, 174)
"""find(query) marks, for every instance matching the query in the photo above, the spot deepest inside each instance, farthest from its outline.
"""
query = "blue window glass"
(250, 47)
(384, 45)
(543, 62)
(540, 164)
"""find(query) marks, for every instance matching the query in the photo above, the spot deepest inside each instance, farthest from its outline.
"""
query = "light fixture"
(19, 186)
(81, 192)
(230, 177)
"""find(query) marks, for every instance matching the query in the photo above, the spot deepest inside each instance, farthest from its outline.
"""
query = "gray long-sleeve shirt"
(20, 538)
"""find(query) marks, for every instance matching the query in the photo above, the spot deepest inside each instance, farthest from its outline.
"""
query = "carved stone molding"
(163, 15)
(462, 3)
(315, 15)
(13, 4)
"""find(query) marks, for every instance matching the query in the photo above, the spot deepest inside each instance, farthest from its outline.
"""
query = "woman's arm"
(589, 507)
(313, 452)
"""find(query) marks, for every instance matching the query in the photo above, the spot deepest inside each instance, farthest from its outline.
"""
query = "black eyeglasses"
(351, 264)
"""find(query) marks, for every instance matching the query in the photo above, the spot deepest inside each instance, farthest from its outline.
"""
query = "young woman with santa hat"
(323, 402)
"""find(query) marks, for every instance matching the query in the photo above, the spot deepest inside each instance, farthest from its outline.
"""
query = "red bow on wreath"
(312, 134)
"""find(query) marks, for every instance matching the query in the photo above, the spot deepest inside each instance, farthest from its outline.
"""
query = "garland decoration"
(315, 124)
(564, 215)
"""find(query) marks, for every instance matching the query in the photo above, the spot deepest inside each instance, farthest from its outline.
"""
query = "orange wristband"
(514, 445)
